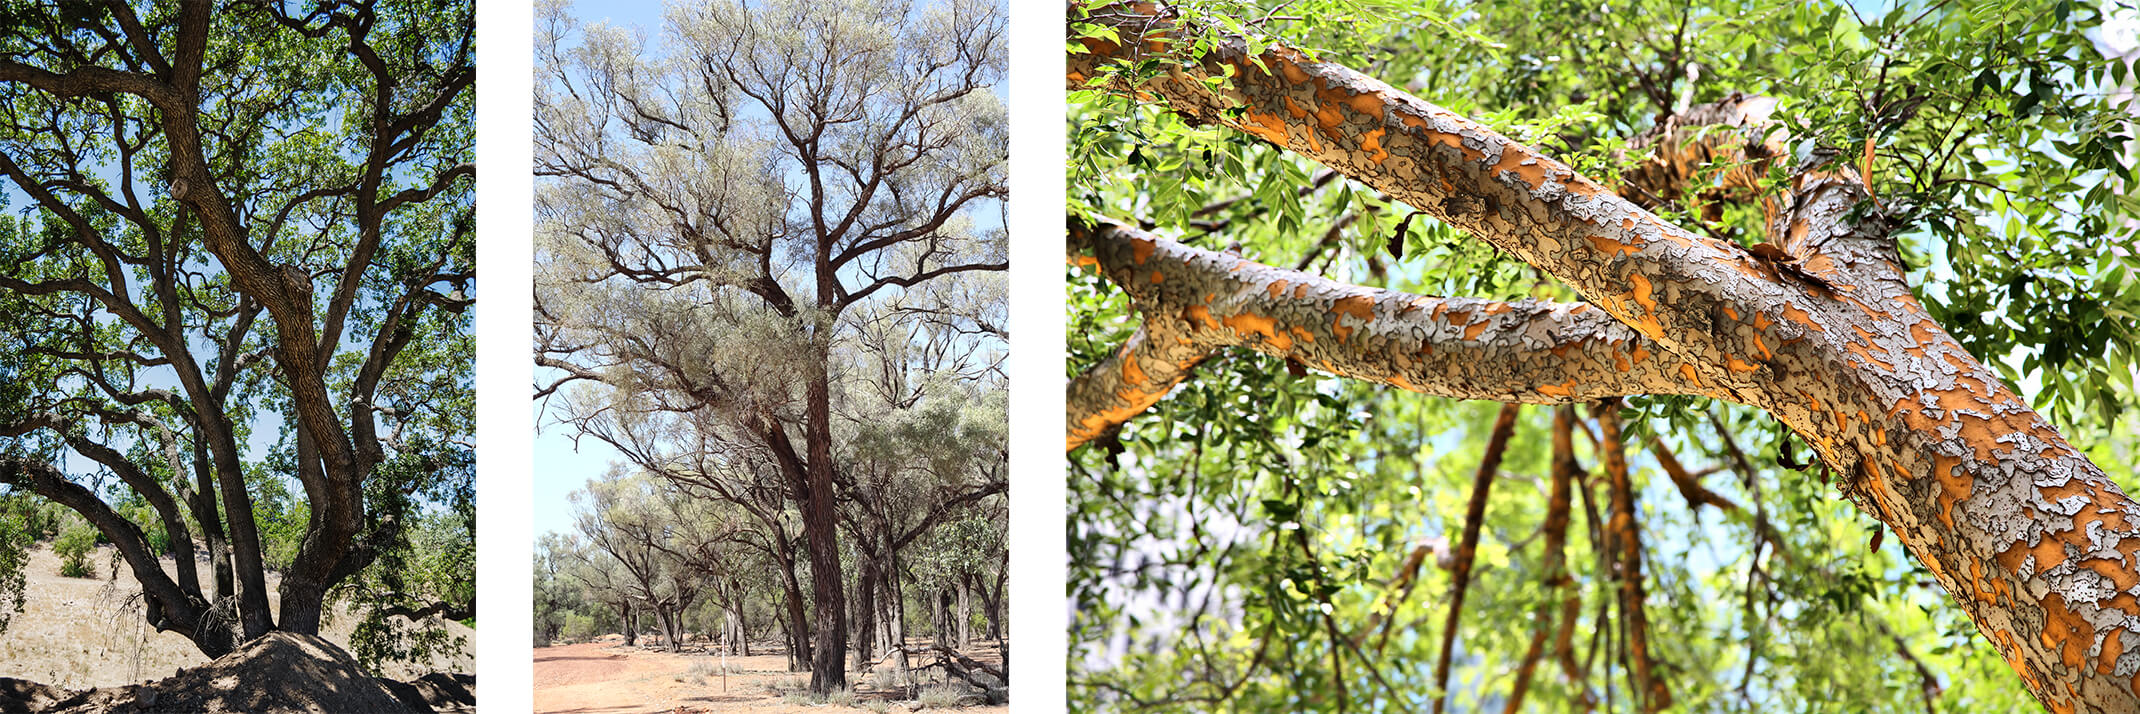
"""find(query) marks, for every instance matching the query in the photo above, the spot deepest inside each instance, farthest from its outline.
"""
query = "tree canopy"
(1321, 526)
(235, 291)
(761, 240)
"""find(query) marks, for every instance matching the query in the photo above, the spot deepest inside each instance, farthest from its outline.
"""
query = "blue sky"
(562, 467)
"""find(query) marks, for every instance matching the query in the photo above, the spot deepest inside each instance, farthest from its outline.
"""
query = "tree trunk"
(895, 620)
(2022, 530)
(828, 671)
(992, 602)
(865, 604)
(787, 636)
(796, 626)
(962, 628)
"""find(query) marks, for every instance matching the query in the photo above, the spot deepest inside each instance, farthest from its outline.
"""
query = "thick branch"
(1195, 302)
(2027, 535)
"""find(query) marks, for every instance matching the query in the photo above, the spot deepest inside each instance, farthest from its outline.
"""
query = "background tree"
(1801, 209)
(241, 220)
(711, 215)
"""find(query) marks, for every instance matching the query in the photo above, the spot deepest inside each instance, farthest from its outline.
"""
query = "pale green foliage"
(772, 235)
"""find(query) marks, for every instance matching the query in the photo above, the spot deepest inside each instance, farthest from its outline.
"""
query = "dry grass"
(78, 633)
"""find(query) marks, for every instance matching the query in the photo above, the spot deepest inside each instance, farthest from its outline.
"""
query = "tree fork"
(2027, 535)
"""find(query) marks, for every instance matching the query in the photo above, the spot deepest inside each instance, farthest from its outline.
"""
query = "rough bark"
(2027, 535)
(865, 604)
(171, 77)
(821, 521)
(1194, 302)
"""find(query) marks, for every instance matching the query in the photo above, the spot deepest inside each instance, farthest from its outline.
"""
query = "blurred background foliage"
(1999, 135)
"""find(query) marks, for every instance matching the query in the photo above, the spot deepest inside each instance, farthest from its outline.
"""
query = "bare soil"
(606, 677)
(80, 633)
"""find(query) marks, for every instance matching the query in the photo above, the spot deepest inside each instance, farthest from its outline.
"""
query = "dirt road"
(608, 678)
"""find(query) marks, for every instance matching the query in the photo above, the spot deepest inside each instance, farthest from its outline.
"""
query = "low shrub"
(73, 547)
(941, 697)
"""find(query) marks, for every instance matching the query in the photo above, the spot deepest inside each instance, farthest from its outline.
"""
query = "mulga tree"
(233, 218)
(708, 214)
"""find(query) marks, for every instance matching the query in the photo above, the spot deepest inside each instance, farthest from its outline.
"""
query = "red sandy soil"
(609, 678)
(78, 633)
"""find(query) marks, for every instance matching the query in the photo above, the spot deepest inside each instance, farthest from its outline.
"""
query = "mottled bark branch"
(1195, 302)
(1619, 256)
(2028, 536)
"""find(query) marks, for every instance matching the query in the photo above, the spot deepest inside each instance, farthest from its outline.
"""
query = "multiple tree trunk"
(168, 69)
(805, 177)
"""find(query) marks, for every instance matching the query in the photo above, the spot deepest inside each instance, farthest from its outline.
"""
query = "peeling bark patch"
(1529, 351)
(1962, 471)
(1359, 307)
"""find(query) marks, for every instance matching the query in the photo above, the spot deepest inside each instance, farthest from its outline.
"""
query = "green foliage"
(1230, 546)
(123, 322)
(15, 540)
(580, 627)
(38, 518)
(73, 548)
(434, 565)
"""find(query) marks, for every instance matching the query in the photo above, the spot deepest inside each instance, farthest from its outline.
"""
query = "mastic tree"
(239, 224)
(1728, 227)
(712, 210)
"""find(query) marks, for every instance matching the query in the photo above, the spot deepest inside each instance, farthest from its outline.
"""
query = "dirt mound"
(281, 672)
(25, 697)
(438, 693)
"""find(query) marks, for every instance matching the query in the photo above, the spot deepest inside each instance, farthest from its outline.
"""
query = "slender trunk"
(897, 618)
(992, 603)
(828, 671)
(865, 612)
(797, 627)
(962, 628)
(1627, 537)
(253, 615)
(787, 636)
(203, 505)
